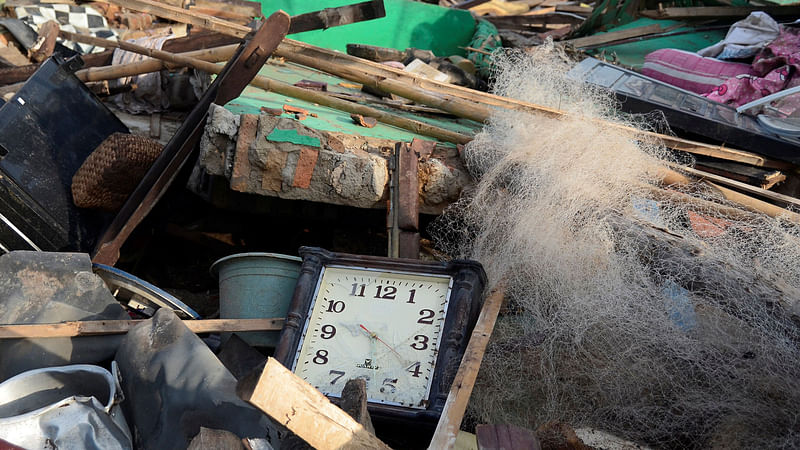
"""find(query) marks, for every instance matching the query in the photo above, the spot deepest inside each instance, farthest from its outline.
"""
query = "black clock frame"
(466, 299)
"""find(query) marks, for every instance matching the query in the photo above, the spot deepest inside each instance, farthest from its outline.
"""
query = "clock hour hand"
(375, 336)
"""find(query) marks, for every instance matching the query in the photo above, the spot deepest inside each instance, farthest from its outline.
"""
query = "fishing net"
(657, 312)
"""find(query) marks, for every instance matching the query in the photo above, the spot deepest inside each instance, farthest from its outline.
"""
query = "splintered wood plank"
(100, 327)
(13, 56)
(447, 429)
(760, 192)
(306, 412)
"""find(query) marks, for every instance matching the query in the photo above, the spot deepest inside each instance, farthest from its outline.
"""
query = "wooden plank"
(574, 9)
(242, 7)
(757, 191)
(447, 429)
(502, 437)
(103, 327)
(13, 56)
(740, 172)
(718, 12)
(612, 36)
(306, 412)
(183, 16)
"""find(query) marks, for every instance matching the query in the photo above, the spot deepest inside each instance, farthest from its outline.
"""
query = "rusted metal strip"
(334, 17)
(408, 201)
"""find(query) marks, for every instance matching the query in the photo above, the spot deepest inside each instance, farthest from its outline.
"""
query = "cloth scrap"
(776, 68)
(148, 97)
(75, 19)
(745, 38)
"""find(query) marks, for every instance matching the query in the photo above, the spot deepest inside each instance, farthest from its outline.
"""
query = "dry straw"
(665, 322)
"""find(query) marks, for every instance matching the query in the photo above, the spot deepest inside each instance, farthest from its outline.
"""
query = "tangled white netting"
(631, 307)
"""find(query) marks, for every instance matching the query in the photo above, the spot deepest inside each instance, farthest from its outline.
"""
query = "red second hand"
(373, 335)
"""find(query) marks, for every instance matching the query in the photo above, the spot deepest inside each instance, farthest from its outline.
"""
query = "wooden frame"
(464, 306)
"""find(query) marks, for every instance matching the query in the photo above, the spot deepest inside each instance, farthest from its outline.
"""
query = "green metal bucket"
(256, 286)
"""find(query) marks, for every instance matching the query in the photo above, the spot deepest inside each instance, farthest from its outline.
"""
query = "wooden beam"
(447, 429)
(184, 16)
(261, 81)
(718, 12)
(306, 412)
(102, 327)
(612, 36)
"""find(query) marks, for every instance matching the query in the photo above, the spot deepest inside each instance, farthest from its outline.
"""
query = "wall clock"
(400, 324)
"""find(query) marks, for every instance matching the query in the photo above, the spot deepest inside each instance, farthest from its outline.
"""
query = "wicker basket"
(109, 175)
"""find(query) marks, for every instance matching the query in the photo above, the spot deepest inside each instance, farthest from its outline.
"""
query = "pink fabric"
(691, 71)
(776, 68)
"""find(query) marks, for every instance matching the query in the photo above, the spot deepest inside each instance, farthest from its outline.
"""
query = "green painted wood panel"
(407, 24)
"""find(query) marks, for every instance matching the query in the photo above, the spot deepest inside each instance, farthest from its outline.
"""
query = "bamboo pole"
(270, 85)
(396, 81)
(669, 176)
(478, 104)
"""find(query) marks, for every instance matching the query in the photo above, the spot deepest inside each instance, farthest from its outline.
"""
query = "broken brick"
(305, 167)
(368, 122)
(294, 109)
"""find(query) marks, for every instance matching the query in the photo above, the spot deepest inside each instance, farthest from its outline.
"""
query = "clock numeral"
(389, 385)
(420, 340)
(339, 374)
(414, 369)
(335, 306)
(389, 293)
(411, 294)
(321, 357)
(427, 316)
(328, 331)
(358, 287)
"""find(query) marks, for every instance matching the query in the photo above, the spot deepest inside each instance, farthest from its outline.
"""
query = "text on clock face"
(382, 327)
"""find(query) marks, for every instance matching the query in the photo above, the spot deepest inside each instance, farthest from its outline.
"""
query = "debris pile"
(282, 224)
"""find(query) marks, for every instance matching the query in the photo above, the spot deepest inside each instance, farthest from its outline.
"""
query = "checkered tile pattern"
(76, 19)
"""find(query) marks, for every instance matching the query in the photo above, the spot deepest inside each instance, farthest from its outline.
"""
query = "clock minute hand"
(375, 336)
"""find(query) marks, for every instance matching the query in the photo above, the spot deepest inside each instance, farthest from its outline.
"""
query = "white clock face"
(378, 325)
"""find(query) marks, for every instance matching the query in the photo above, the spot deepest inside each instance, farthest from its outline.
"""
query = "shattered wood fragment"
(294, 109)
(354, 402)
(305, 411)
(368, 122)
(313, 85)
(12, 57)
(46, 43)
